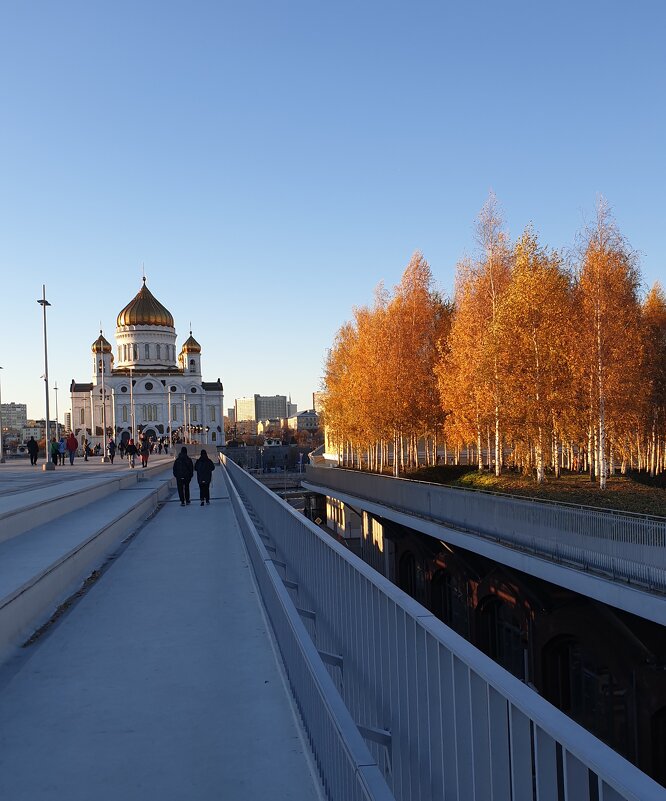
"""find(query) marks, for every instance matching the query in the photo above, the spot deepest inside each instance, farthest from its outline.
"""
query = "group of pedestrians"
(184, 469)
(57, 450)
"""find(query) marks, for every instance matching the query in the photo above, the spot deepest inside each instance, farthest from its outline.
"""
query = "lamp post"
(57, 428)
(2, 452)
(169, 415)
(105, 458)
(43, 302)
(131, 370)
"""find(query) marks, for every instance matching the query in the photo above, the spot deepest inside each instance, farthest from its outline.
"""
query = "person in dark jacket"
(131, 451)
(33, 450)
(183, 470)
(111, 448)
(204, 467)
(144, 450)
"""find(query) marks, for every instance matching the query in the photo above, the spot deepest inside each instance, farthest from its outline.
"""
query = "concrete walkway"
(160, 683)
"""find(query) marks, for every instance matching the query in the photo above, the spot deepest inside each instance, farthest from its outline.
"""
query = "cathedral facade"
(147, 389)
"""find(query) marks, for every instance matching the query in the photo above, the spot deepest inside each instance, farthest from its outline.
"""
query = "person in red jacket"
(72, 445)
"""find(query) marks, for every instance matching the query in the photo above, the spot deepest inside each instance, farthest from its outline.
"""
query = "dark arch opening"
(407, 573)
(658, 738)
(448, 602)
(501, 637)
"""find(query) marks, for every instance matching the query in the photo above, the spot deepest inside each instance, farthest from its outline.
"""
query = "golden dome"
(144, 309)
(101, 345)
(191, 345)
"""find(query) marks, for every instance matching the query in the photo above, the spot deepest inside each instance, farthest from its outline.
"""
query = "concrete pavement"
(160, 683)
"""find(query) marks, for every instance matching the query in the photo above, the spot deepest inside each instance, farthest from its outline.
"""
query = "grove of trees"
(539, 361)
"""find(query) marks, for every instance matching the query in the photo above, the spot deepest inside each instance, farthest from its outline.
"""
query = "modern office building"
(263, 407)
(244, 409)
(14, 416)
(270, 406)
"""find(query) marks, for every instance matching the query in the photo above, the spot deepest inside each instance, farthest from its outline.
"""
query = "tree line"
(538, 361)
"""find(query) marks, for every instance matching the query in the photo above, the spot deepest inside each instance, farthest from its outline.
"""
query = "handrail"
(460, 726)
(347, 768)
(631, 548)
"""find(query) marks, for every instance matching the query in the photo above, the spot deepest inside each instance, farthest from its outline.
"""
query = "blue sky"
(271, 162)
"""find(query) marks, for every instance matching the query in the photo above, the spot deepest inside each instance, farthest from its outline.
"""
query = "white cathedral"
(148, 390)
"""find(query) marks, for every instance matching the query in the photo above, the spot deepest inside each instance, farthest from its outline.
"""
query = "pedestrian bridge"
(160, 681)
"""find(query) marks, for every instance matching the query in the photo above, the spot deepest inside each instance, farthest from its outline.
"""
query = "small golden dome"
(191, 345)
(144, 309)
(101, 345)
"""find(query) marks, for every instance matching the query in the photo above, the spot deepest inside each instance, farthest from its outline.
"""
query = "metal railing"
(347, 769)
(626, 546)
(442, 720)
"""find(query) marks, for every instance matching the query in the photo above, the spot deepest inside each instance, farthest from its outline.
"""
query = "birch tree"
(533, 321)
(609, 313)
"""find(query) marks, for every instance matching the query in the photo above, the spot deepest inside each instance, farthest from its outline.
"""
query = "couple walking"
(183, 470)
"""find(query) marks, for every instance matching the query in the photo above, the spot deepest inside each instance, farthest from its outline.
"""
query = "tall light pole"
(131, 402)
(105, 458)
(169, 414)
(43, 302)
(2, 453)
(57, 429)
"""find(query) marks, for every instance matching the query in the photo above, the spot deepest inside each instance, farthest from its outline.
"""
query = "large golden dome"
(144, 309)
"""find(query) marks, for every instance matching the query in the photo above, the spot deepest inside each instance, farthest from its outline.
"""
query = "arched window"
(135, 352)
(147, 351)
(659, 746)
(213, 436)
(124, 414)
(158, 349)
(501, 636)
(82, 416)
(580, 684)
(407, 573)
(448, 602)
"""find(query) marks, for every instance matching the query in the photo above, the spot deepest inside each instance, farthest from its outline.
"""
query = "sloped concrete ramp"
(160, 683)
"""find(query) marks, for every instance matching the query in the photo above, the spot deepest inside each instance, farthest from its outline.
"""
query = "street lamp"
(57, 429)
(43, 302)
(131, 372)
(105, 458)
(169, 414)
(2, 453)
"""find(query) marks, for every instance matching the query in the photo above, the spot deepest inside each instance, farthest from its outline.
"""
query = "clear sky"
(271, 162)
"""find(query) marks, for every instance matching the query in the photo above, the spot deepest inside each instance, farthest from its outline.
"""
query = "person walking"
(121, 448)
(204, 467)
(62, 447)
(111, 447)
(72, 444)
(86, 449)
(145, 451)
(183, 470)
(54, 451)
(131, 452)
(33, 450)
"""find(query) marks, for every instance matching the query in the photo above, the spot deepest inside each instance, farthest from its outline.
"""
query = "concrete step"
(26, 510)
(46, 564)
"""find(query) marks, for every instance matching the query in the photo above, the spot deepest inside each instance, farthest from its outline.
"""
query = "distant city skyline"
(268, 166)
